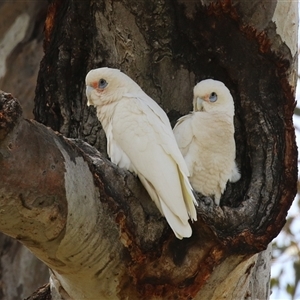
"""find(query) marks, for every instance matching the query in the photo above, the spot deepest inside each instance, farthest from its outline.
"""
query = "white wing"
(144, 134)
(116, 154)
(184, 135)
(207, 143)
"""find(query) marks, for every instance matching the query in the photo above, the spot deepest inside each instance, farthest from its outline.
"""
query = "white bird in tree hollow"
(140, 139)
(206, 139)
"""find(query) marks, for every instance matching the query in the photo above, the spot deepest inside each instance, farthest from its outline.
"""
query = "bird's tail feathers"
(189, 198)
(151, 191)
(235, 174)
(180, 229)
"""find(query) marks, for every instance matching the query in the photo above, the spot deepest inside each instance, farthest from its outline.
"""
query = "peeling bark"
(237, 43)
(21, 44)
(93, 224)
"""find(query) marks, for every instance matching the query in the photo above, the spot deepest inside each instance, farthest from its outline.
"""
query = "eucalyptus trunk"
(92, 223)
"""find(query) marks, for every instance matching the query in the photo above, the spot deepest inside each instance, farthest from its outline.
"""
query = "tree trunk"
(21, 44)
(93, 224)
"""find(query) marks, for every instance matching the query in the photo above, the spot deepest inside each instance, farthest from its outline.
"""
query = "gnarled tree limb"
(92, 223)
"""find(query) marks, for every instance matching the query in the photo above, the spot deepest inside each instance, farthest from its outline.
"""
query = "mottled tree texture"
(21, 44)
(192, 43)
(166, 47)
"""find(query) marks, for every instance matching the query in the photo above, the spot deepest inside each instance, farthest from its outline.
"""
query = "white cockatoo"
(140, 139)
(206, 139)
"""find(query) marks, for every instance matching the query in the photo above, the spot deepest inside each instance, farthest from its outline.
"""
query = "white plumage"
(206, 139)
(140, 139)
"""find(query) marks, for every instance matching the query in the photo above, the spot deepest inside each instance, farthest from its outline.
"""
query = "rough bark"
(128, 241)
(166, 48)
(81, 199)
(21, 50)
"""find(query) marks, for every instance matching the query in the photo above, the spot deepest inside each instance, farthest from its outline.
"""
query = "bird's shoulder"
(145, 104)
(142, 110)
(184, 120)
(139, 119)
(146, 126)
(183, 132)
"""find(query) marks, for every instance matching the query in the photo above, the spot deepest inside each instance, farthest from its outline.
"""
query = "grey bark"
(168, 47)
(21, 50)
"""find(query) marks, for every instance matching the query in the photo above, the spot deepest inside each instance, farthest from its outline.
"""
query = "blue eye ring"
(102, 83)
(213, 97)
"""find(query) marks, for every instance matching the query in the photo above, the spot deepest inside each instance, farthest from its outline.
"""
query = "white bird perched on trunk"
(206, 139)
(140, 139)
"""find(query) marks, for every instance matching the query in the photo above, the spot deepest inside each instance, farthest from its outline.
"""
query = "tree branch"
(92, 223)
(83, 216)
(80, 214)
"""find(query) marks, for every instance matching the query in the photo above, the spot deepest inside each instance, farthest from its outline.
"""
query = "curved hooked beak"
(88, 92)
(199, 101)
(198, 104)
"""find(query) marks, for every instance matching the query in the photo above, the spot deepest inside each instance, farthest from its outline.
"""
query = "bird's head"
(107, 85)
(212, 95)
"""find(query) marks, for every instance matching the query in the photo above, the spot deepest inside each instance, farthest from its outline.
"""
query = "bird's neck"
(105, 113)
(226, 115)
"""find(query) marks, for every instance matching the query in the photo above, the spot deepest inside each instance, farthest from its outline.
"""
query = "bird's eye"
(213, 97)
(102, 83)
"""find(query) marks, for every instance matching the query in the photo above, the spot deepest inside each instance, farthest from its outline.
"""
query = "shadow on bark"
(191, 44)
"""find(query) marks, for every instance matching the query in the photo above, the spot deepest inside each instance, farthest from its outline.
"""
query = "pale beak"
(88, 95)
(198, 104)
